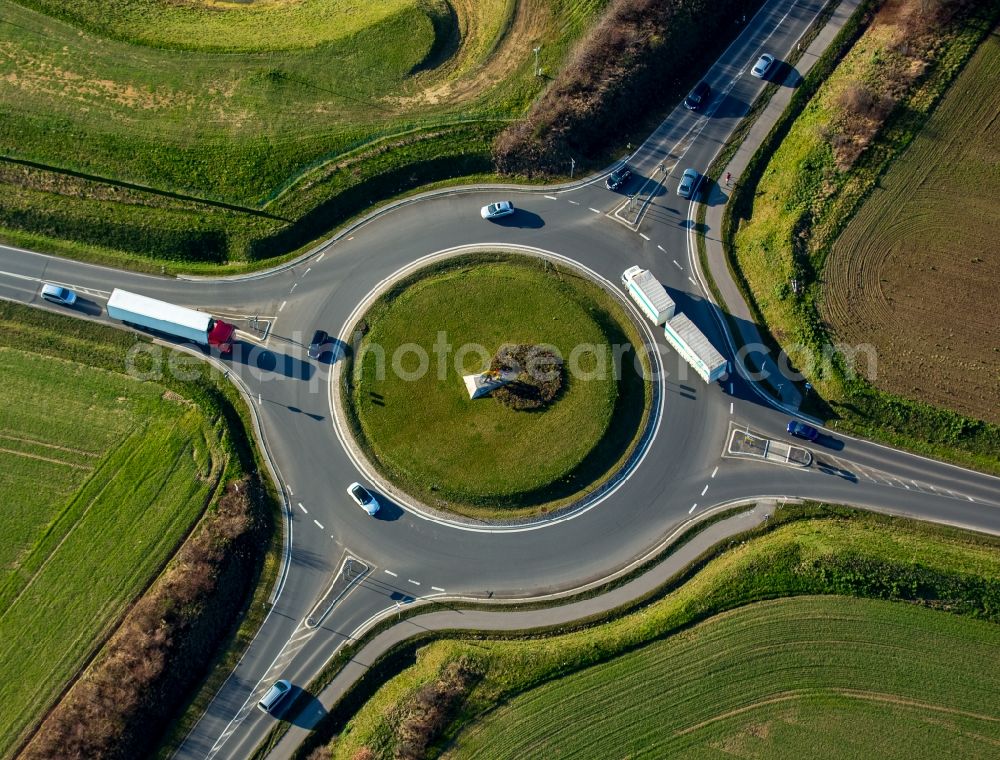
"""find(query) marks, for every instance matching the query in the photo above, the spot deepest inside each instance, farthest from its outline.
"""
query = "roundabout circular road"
(408, 555)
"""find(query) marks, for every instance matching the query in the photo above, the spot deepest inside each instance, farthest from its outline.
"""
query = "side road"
(733, 301)
(501, 620)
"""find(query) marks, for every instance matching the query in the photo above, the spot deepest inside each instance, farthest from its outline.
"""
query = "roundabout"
(568, 419)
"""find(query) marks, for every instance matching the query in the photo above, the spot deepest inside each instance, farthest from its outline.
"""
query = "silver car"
(762, 66)
(689, 183)
(363, 498)
(58, 294)
(497, 210)
(278, 691)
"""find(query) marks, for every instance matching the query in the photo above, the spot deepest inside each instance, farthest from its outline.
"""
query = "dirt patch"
(916, 272)
(448, 83)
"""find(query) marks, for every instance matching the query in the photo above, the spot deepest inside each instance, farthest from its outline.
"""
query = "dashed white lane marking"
(703, 490)
(691, 279)
(437, 588)
(594, 210)
(318, 524)
(730, 390)
(308, 270)
(971, 499)
(551, 197)
(714, 472)
(415, 583)
(320, 257)
(282, 305)
(693, 507)
(351, 237)
(644, 236)
(303, 508)
(916, 484)
(662, 248)
(389, 572)
(730, 407)
(678, 265)
(575, 203)
(294, 286)
(290, 491)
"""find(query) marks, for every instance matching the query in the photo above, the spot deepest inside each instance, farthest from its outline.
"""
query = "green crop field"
(101, 476)
(697, 672)
(291, 115)
(792, 678)
(440, 445)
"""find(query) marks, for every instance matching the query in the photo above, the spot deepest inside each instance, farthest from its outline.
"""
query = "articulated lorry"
(649, 294)
(179, 321)
(695, 348)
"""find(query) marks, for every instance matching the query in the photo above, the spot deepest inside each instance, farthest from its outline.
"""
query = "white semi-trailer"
(695, 349)
(647, 291)
(180, 321)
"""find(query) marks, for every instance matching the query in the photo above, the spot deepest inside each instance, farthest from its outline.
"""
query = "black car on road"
(618, 177)
(699, 97)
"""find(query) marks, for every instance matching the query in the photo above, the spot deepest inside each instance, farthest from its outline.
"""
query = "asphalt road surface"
(403, 554)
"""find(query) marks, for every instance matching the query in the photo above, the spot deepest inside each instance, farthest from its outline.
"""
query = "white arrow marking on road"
(303, 508)
(318, 524)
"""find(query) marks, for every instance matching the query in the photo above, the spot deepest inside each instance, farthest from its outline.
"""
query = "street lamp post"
(572, 167)
(538, 70)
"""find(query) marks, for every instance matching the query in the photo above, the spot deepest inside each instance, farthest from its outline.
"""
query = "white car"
(689, 183)
(363, 498)
(497, 210)
(762, 66)
(58, 294)
(278, 691)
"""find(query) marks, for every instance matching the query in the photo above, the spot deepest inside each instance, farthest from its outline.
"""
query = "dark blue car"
(802, 430)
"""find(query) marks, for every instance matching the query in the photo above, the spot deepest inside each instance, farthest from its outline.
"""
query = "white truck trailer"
(180, 321)
(647, 291)
(695, 348)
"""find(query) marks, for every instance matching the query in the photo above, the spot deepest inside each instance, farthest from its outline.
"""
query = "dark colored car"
(802, 430)
(617, 178)
(319, 344)
(699, 97)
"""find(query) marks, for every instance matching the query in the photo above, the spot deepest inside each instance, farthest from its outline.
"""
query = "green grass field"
(923, 667)
(791, 678)
(443, 447)
(784, 224)
(277, 109)
(101, 477)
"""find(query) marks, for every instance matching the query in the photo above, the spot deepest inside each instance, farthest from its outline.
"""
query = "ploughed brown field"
(916, 273)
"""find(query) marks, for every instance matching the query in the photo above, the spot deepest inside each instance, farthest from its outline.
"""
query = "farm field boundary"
(804, 183)
(184, 456)
(836, 551)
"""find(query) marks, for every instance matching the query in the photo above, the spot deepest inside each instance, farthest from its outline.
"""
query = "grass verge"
(195, 631)
(836, 551)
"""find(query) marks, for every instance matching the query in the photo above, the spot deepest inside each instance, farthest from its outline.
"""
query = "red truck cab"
(220, 335)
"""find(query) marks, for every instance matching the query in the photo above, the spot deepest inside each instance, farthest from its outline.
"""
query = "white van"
(274, 695)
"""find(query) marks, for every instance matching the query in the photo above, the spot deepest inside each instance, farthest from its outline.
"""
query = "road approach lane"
(684, 471)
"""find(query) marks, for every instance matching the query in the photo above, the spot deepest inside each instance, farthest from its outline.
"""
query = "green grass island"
(412, 414)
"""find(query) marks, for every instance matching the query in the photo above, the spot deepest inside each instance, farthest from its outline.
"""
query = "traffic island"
(559, 400)
(747, 444)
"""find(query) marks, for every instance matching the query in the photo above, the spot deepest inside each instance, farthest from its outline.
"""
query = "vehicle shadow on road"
(88, 307)
(304, 710)
(388, 510)
(520, 218)
(265, 360)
